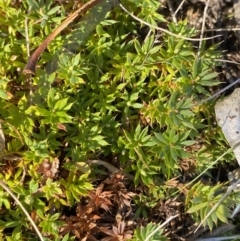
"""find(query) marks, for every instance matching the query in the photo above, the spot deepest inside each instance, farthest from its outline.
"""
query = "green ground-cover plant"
(122, 95)
(145, 233)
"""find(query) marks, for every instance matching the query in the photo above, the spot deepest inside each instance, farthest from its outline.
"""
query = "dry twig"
(164, 30)
(6, 188)
(202, 30)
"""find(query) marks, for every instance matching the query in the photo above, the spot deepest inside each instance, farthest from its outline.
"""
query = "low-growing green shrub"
(124, 94)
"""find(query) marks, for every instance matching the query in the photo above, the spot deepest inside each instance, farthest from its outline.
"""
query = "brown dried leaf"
(117, 233)
(60, 126)
(99, 198)
(48, 169)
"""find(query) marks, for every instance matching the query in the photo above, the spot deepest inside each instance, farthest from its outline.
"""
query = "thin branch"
(112, 169)
(234, 237)
(6, 188)
(220, 230)
(235, 211)
(202, 30)
(170, 6)
(179, 7)
(14, 128)
(26, 34)
(204, 171)
(229, 190)
(161, 226)
(226, 61)
(164, 30)
(29, 79)
(222, 29)
(218, 93)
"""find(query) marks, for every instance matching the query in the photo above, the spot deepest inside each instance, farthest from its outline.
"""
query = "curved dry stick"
(112, 169)
(31, 64)
(162, 29)
(15, 129)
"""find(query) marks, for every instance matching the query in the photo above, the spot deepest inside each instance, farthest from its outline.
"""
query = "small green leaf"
(3, 94)
(196, 68)
(210, 76)
(197, 207)
(53, 10)
(188, 143)
(76, 60)
(223, 213)
(61, 104)
(33, 4)
(40, 214)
